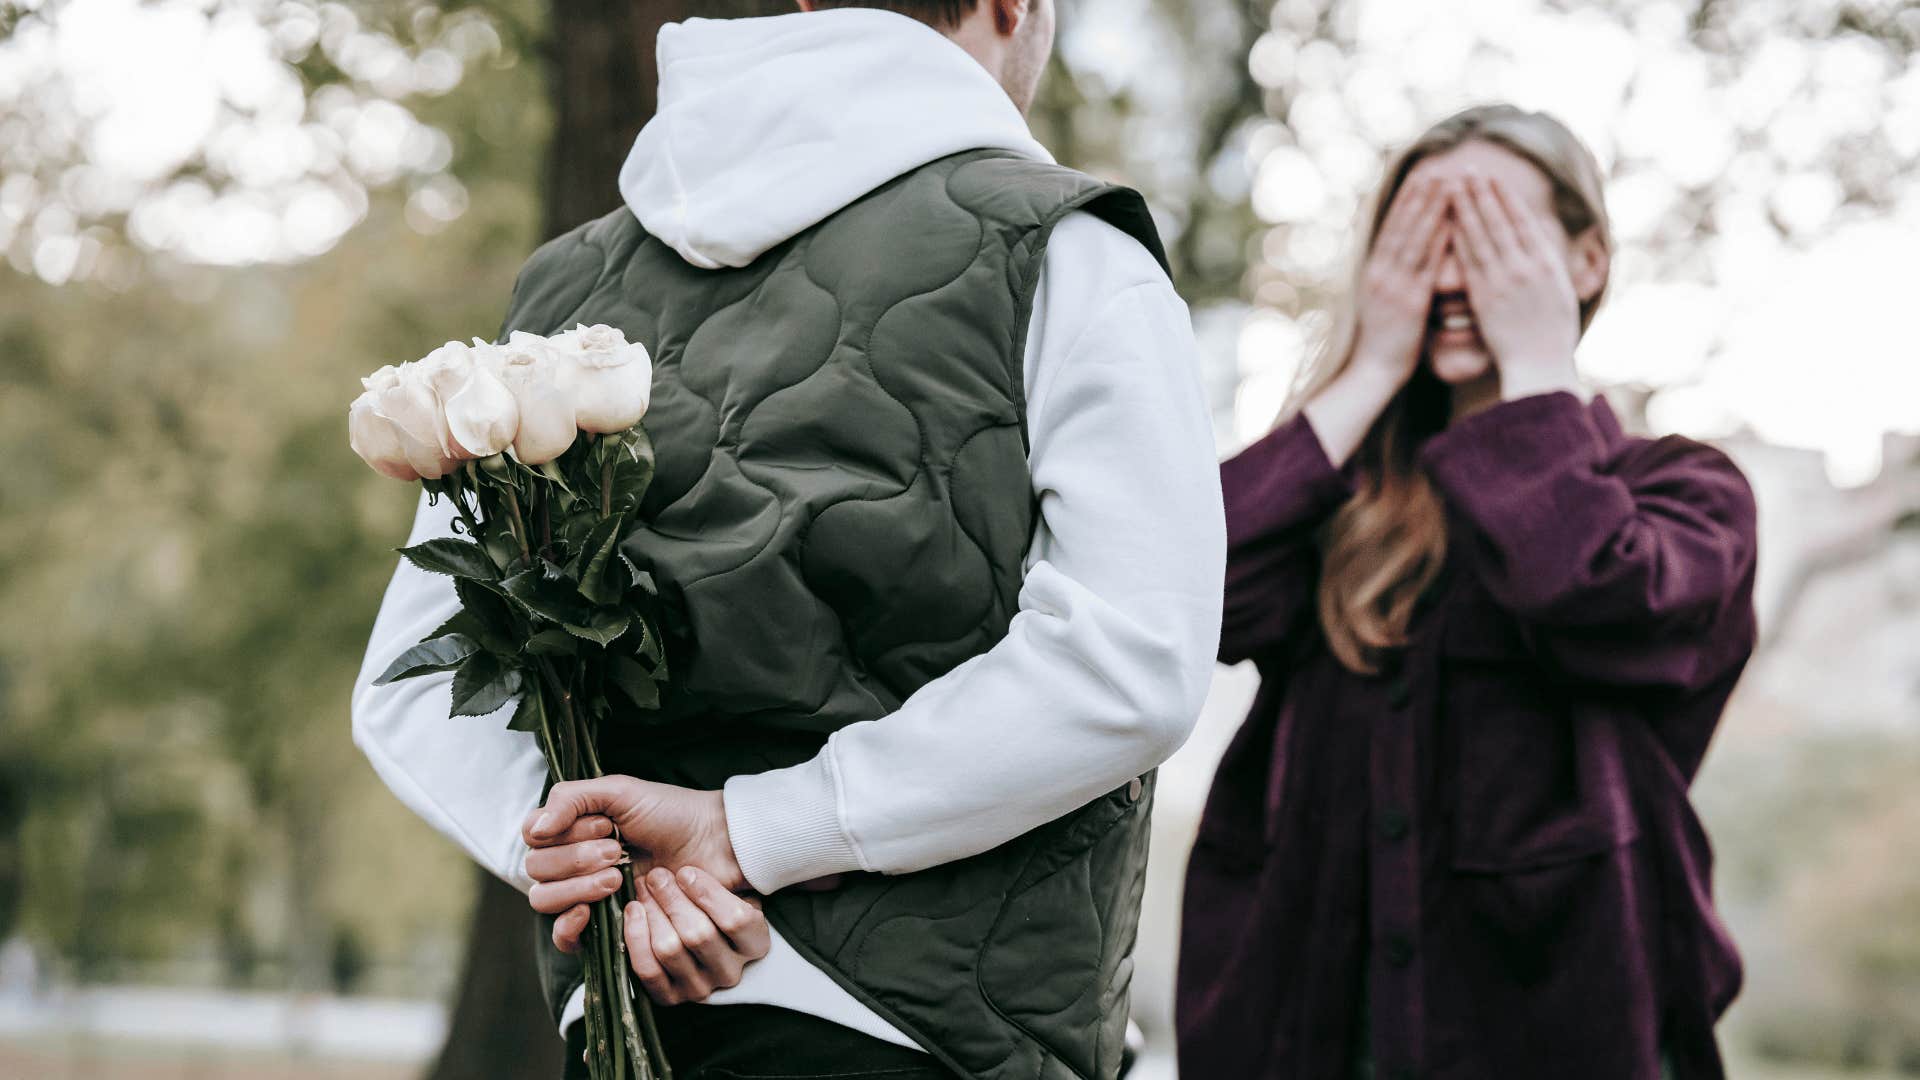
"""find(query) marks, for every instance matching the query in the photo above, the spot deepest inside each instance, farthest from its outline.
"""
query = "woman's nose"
(1450, 278)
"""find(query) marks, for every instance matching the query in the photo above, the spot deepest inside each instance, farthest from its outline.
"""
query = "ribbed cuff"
(785, 825)
(575, 1009)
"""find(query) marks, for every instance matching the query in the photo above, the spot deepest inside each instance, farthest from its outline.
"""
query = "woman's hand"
(1391, 311)
(1396, 284)
(1517, 282)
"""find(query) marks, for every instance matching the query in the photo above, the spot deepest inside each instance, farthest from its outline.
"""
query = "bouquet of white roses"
(538, 443)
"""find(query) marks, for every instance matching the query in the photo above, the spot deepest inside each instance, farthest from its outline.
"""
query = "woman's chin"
(1455, 364)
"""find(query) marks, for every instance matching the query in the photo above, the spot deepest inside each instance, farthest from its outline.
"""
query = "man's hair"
(940, 13)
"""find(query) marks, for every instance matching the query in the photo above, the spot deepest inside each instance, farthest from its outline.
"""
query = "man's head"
(1012, 39)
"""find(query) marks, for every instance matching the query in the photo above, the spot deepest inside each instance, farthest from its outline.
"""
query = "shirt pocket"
(1538, 774)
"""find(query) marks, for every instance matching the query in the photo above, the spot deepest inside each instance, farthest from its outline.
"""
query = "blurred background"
(216, 214)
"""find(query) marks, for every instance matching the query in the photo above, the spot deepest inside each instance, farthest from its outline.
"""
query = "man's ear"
(1588, 263)
(1009, 14)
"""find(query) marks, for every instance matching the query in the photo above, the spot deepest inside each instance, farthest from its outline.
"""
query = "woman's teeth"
(1456, 322)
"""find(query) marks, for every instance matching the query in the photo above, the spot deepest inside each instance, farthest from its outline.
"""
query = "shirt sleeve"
(1107, 661)
(1628, 562)
(469, 777)
(1278, 492)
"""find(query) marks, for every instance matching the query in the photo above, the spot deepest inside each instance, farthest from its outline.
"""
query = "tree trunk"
(601, 82)
(499, 1027)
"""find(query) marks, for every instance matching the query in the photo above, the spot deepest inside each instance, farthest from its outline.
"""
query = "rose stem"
(515, 523)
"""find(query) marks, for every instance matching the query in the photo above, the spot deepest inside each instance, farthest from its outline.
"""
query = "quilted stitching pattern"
(839, 514)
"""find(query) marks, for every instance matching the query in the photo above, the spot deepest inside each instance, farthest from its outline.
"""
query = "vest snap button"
(1134, 787)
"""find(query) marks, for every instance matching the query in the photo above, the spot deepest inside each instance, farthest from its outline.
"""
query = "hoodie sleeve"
(469, 777)
(1107, 661)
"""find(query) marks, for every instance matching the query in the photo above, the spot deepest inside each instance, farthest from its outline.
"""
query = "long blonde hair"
(1386, 546)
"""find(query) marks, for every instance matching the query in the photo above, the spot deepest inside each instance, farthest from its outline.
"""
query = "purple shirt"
(1490, 842)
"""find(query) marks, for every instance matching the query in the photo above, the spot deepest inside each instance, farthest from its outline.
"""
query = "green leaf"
(634, 681)
(545, 592)
(633, 469)
(454, 558)
(489, 618)
(652, 649)
(600, 576)
(602, 627)
(551, 643)
(434, 654)
(483, 684)
(527, 716)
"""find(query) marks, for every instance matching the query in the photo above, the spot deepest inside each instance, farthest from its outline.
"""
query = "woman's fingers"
(1428, 230)
(646, 966)
(1429, 267)
(1528, 225)
(569, 926)
(743, 924)
(1412, 199)
(1476, 246)
(710, 949)
(553, 897)
(574, 860)
(1506, 243)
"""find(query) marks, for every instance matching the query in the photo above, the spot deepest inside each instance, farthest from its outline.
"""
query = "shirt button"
(1393, 824)
(1398, 693)
(1399, 950)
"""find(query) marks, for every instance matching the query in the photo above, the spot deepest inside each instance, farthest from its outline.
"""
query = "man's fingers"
(742, 924)
(698, 934)
(569, 926)
(590, 827)
(571, 800)
(646, 967)
(553, 897)
(689, 984)
(574, 860)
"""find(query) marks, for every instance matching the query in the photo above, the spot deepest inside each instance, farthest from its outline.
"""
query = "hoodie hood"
(767, 126)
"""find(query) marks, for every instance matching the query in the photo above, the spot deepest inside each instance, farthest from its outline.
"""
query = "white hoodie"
(767, 126)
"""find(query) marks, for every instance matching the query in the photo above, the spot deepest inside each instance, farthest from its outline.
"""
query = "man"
(937, 508)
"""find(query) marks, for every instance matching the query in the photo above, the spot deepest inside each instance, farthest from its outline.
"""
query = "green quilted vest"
(839, 515)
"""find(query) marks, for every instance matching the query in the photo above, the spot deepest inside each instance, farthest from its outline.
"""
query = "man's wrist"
(725, 863)
(784, 825)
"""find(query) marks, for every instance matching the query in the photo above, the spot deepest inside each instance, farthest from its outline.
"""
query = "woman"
(1494, 635)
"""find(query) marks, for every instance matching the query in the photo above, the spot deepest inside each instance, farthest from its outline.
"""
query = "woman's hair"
(1387, 544)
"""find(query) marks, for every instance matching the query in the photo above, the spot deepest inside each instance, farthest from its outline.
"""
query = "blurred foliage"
(190, 561)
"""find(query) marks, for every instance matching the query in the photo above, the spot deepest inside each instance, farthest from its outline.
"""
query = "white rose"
(378, 441)
(611, 380)
(385, 379)
(406, 401)
(480, 415)
(538, 380)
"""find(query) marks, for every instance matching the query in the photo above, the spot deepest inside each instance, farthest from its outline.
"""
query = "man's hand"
(687, 936)
(575, 859)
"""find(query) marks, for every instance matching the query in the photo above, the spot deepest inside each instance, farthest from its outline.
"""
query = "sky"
(1787, 318)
